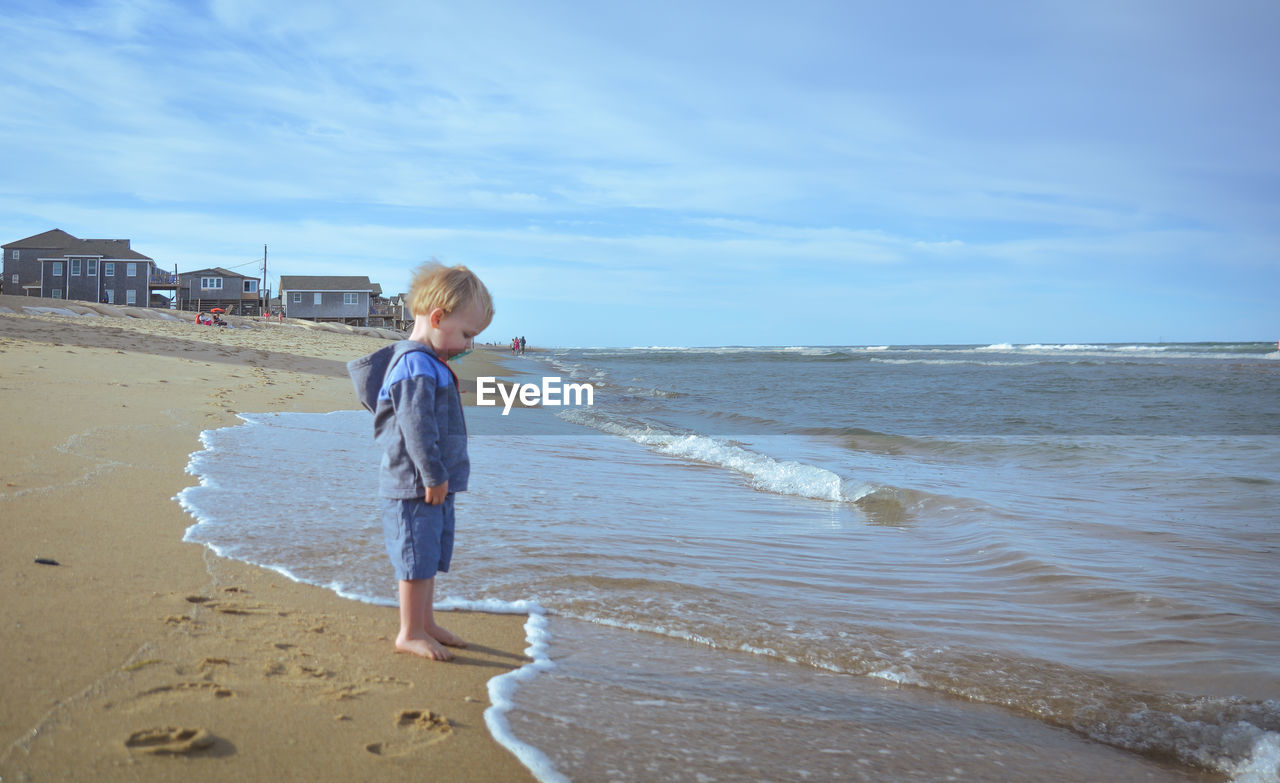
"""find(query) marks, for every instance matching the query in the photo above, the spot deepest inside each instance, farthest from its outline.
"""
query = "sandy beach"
(140, 657)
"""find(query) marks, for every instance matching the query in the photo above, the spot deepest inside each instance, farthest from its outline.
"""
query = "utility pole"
(264, 296)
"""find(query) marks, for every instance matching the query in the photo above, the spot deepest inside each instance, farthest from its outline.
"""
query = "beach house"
(401, 315)
(384, 312)
(341, 298)
(57, 265)
(205, 289)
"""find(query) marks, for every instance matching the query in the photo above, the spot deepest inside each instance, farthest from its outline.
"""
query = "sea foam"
(765, 473)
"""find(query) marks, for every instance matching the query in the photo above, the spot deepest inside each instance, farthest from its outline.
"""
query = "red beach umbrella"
(216, 310)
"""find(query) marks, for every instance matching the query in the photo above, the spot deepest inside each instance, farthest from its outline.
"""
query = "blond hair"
(449, 288)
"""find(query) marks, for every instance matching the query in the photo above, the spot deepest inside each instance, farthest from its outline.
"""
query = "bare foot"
(424, 647)
(445, 636)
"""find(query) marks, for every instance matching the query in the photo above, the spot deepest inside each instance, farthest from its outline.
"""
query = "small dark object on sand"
(47, 561)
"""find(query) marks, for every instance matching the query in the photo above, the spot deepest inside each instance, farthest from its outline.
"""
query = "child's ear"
(435, 317)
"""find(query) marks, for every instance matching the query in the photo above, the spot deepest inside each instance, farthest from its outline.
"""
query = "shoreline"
(139, 652)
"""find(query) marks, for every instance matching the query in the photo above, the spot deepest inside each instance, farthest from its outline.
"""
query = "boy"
(417, 420)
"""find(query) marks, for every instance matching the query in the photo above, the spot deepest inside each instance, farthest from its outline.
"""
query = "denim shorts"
(418, 536)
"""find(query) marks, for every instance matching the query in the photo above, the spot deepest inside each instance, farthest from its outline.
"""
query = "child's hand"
(435, 495)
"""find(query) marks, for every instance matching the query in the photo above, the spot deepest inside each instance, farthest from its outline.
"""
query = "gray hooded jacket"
(417, 419)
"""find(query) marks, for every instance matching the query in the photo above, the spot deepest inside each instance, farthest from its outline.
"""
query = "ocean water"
(1041, 562)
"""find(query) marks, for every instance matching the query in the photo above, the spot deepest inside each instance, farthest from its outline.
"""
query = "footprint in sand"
(415, 729)
(225, 608)
(170, 741)
(185, 689)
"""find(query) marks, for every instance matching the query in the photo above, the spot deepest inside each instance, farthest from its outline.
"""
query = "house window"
(57, 269)
(57, 293)
(211, 282)
(108, 269)
(91, 267)
(15, 255)
(351, 299)
(131, 270)
(75, 267)
(317, 300)
(251, 286)
(111, 295)
(297, 298)
(15, 279)
(130, 296)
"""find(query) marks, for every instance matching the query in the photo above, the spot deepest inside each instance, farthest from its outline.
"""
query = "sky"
(681, 173)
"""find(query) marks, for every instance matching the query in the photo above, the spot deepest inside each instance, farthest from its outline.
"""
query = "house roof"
(53, 238)
(216, 270)
(107, 248)
(103, 248)
(325, 283)
(61, 244)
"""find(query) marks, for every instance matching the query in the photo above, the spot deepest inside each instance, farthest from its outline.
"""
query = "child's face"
(451, 332)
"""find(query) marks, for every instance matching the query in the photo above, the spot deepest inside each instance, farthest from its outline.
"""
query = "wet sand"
(142, 657)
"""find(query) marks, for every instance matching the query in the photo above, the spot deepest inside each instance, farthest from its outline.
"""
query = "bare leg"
(439, 632)
(443, 635)
(416, 598)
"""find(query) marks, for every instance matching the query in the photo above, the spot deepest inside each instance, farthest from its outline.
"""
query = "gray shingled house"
(382, 311)
(58, 265)
(345, 299)
(205, 289)
(402, 316)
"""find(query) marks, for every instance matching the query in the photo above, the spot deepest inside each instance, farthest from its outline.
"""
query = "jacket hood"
(368, 372)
